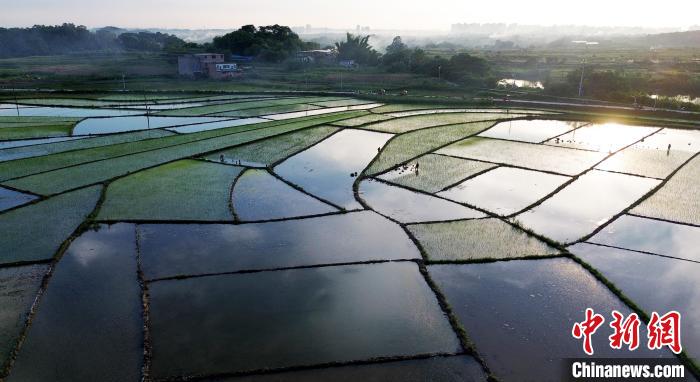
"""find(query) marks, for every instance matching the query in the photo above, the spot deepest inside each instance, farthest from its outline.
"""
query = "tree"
(269, 43)
(398, 56)
(357, 48)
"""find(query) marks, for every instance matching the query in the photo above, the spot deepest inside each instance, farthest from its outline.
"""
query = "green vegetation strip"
(365, 119)
(35, 121)
(29, 166)
(182, 190)
(407, 146)
(678, 199)
(105, 140)
(272, 150)
(35, 232)
(99, 171)
(267, 110)
(435, 172)
(25, 132)
(477, 240)
(401, 125)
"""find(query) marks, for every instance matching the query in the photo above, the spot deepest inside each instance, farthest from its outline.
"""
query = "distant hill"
(690, 39)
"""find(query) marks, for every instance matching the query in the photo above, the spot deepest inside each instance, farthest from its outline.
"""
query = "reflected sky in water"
(505, 190)
(585, 204)
(519, 313)
(121, 124)
(187, 249)
(89, 326)
(10, 198)
(296, 317)
(410, 207)
(258, 195)
(648, 235)
(324, 169)
(605, 137)
(67, 112)
(535, 131)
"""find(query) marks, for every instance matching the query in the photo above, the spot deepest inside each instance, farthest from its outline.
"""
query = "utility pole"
(123, 82)
(14, 92)
(341, 80)
(580, 85)
(439, 72)
(148, 119)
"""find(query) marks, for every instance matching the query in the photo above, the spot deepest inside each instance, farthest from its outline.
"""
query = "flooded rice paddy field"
(291, 237)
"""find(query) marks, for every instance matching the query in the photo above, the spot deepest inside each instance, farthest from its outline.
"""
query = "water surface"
(10, 198)
(519, 314)
(410, 207)
(43, 111)
(583, 205)
(505, 190)
(536, 157)
(294, 317)
(606, 137)
(132, 123)
(258, 195)
(190, 249)
(325, 169)
(88, 326)
(534, 131)
(649, 235)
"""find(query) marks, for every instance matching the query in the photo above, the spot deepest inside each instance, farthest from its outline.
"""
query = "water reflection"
(43, 111)
(648, 235)
(534, 131)
(410, 207)
(654, 283)
(121, 124)
(656, 156)
(536, 157)
(10, 198)
(607, 137)
(258, 195)
(324, 169)
(586, 203)
(519, 314)
(505, 190)
(170, 250)
(265, 320)
(88, 327)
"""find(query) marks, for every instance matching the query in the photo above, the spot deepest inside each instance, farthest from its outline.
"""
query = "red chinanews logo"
(661, 331)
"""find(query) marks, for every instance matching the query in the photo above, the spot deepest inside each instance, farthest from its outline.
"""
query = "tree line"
(43, 40)
(272, 43)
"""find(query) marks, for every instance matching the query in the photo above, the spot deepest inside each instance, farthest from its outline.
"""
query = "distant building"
(211, 65)
(348, 64)
(317, 55)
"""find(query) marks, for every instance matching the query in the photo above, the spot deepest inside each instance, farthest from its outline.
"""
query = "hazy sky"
(379, 14)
